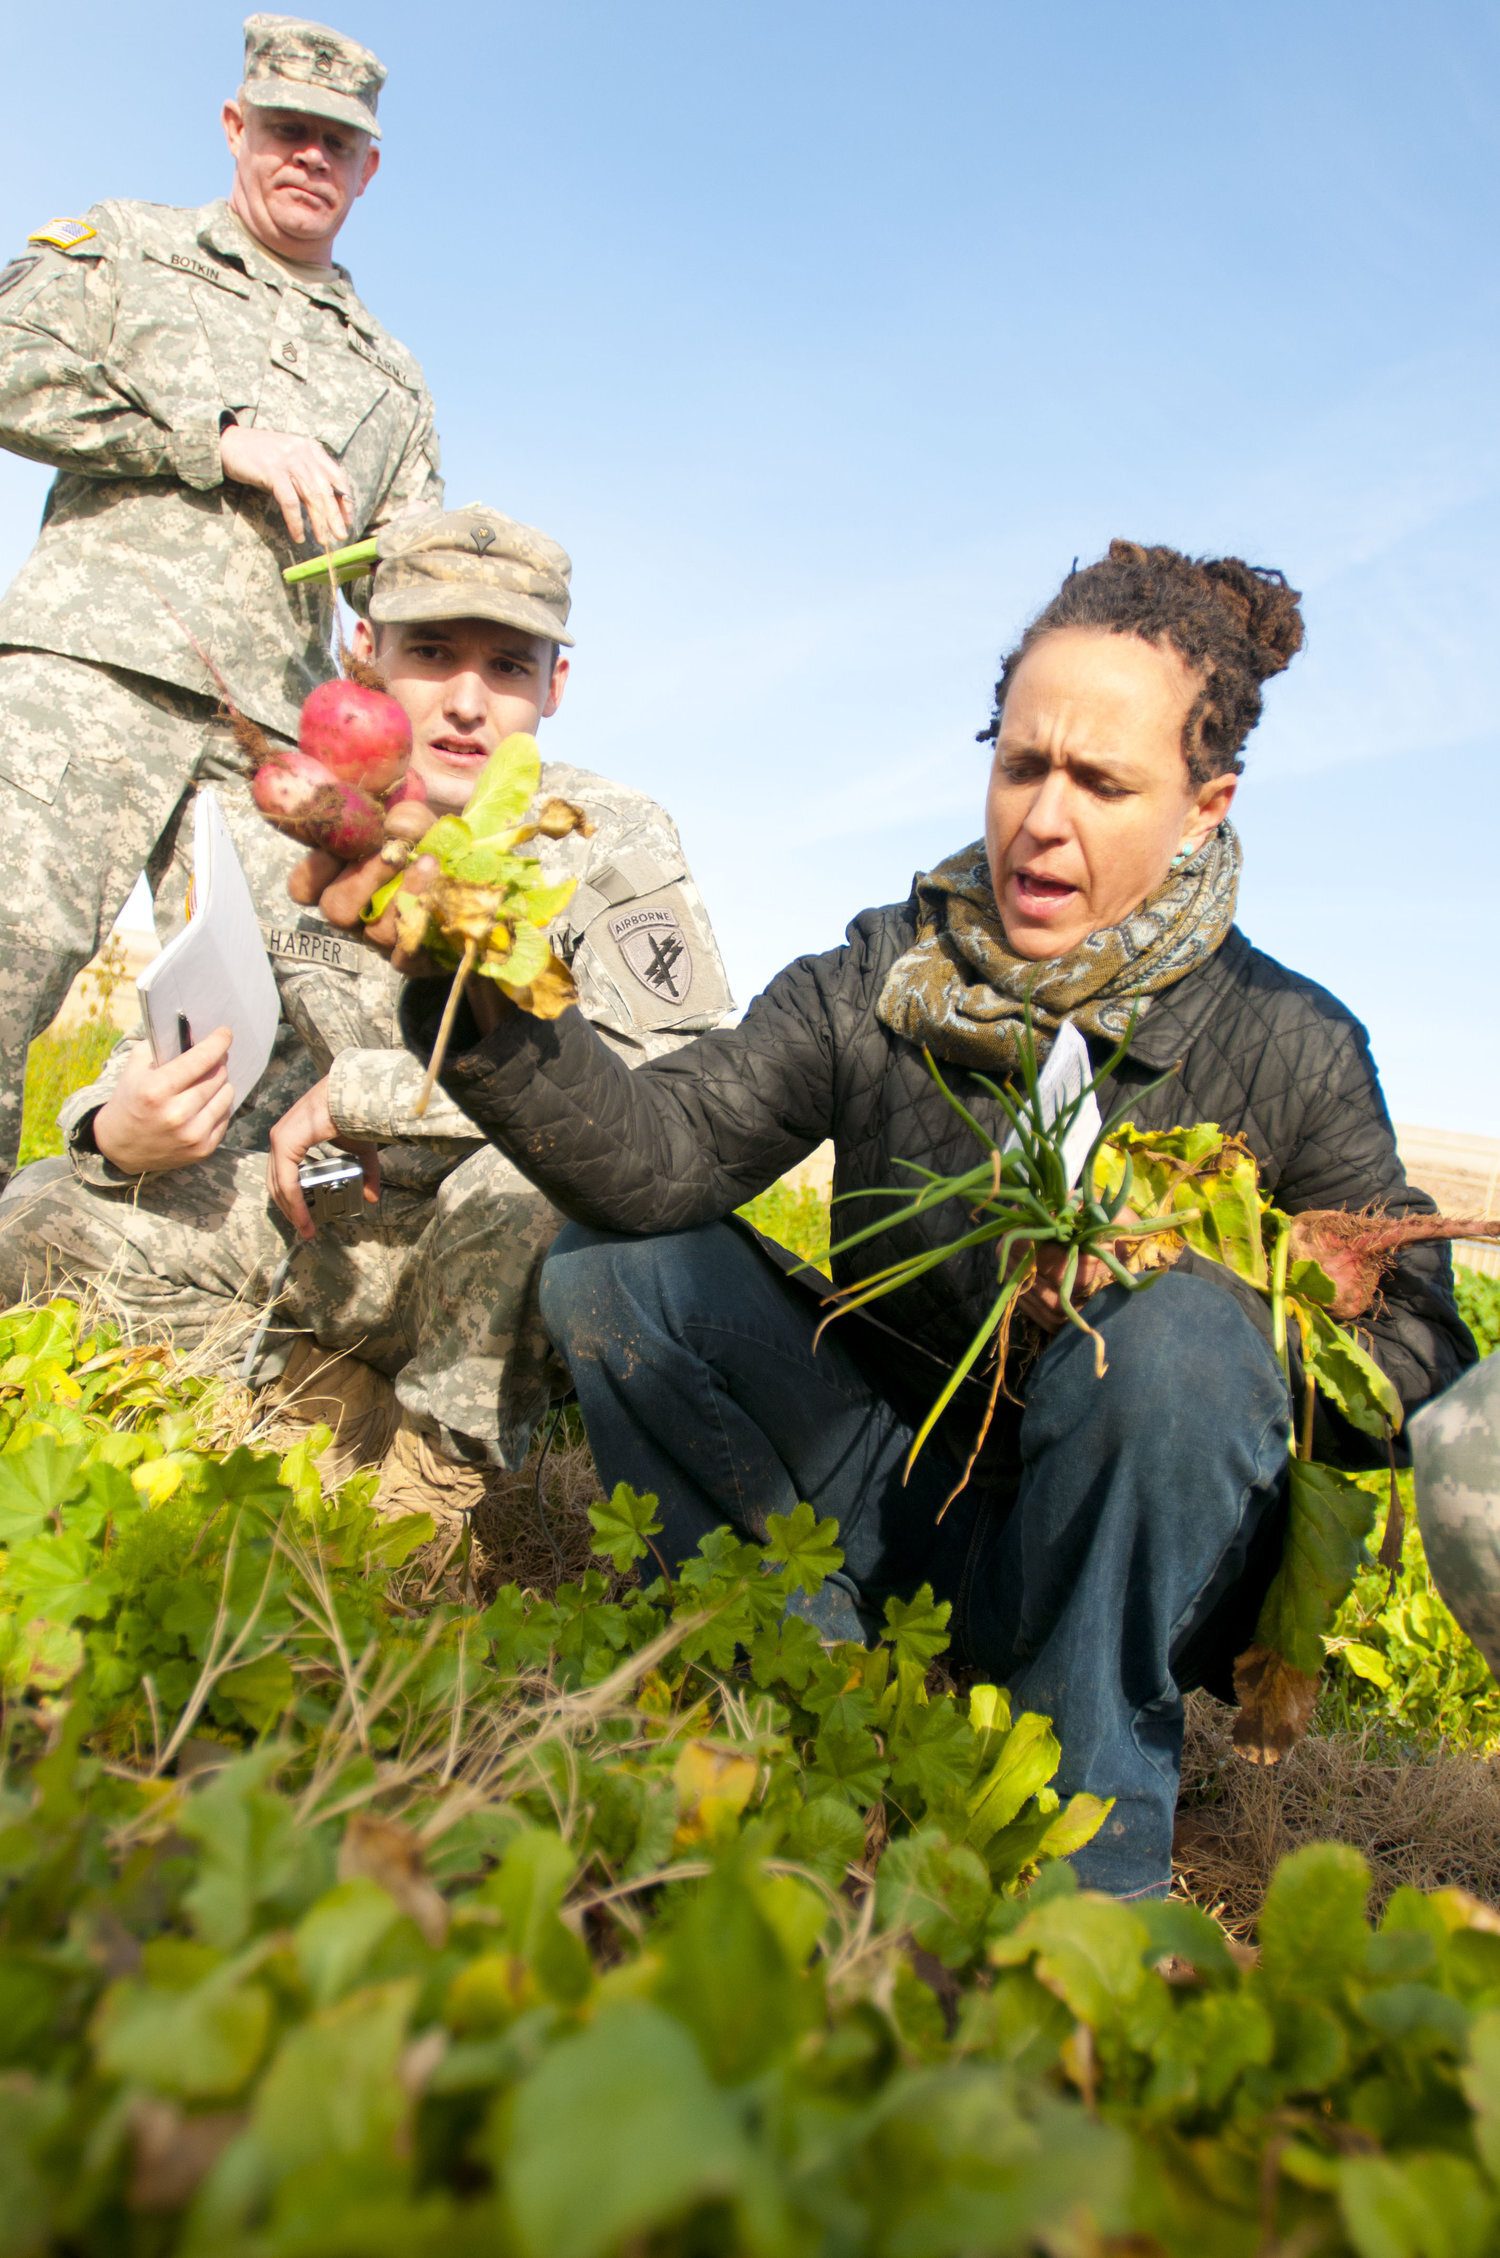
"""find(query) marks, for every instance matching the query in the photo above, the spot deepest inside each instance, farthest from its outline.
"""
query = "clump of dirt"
(1429, 1820)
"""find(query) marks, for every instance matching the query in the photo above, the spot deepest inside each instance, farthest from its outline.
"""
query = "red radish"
(1355, 1250)
(302, 796)
(361, 735)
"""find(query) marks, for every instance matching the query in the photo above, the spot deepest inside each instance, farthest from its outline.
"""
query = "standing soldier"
(217, 402)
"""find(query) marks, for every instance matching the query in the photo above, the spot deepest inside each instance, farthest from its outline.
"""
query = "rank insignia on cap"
(63, 235)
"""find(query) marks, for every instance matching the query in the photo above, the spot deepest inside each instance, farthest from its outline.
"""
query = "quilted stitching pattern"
(684, 1140)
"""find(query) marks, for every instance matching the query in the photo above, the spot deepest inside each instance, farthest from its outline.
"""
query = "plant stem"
(445, 1025)
(1279, 1255)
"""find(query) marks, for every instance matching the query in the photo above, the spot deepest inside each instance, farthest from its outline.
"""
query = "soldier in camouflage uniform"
(436, 1284)
(1455, 1446)
(216, 402)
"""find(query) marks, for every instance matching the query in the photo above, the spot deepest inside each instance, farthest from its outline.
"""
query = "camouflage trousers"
(95, 768)
(1455, 1443)
(437, 1290)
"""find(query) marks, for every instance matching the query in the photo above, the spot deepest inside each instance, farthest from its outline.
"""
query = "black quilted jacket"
(685, 1139)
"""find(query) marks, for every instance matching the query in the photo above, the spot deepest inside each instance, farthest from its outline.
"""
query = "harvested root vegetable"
(305, 799)
(1354, 1251)
(361, 734)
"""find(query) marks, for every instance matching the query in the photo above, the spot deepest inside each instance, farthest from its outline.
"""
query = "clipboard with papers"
(215, 972)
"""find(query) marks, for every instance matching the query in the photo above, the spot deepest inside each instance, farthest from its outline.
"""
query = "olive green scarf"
(960, 990)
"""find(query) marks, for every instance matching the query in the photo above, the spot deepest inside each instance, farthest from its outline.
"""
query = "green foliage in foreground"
(1478, 1298)
(632, 1921)
(795, 1216)
(63, 1059)
(1400, 1663)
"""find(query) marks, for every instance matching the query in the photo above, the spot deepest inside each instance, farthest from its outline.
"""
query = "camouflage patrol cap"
(471, 563)
(293, 65)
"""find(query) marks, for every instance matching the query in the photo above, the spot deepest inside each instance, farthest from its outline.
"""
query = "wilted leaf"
(1276, 1705)
(386, 1853)
(172, 2152)
(1345, 1373)
(1276, 1678)
(38, 1653)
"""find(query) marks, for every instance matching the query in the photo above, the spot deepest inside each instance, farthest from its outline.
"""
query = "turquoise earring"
(1182, 856)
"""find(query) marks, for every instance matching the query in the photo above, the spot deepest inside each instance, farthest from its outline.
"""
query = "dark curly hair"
(1235, 624)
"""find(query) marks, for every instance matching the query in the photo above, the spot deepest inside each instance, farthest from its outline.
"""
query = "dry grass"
(511, 1528)
(1432, 1822)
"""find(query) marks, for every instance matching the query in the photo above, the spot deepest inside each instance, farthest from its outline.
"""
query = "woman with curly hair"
(1118, 1534)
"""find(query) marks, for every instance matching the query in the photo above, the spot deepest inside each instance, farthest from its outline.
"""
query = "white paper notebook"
(215, 972)
(1066, 1070)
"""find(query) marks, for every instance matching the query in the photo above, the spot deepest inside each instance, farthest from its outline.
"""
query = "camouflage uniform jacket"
(636, 935)
(121, 357)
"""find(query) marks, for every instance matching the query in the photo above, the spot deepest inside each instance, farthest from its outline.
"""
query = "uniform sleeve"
(641, 949)
(80, 1106)
(63, 401)
(418, 482)
(373, 1095)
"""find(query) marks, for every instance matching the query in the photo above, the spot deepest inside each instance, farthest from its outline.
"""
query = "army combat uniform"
(129, 338)
(436, 1285)
(1455, 1447)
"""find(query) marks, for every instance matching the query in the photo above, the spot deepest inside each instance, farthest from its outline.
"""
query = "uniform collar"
(222, 231)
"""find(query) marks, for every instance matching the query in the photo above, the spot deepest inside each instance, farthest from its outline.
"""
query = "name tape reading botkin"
(651, 942)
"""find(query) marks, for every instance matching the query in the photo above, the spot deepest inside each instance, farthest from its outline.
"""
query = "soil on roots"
(1430, 1820)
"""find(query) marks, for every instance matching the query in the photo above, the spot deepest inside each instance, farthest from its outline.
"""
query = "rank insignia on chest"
(63, 235)
(653, 945)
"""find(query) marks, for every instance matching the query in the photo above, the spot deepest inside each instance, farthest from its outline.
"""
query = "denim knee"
(1180, 1351)
(580, 1289)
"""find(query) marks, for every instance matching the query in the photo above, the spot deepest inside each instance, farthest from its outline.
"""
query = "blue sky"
(825, 335)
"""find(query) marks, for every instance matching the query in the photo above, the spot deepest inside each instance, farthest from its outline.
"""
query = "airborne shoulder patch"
(654, 946)
(63, 235)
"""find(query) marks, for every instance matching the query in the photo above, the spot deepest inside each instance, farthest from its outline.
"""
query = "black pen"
(184, 1033)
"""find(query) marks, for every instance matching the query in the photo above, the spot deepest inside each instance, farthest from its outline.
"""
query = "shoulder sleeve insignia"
(63, 235)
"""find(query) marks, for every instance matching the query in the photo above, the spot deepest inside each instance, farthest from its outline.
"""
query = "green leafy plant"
(1019, 1199)
(1198, 1188)
(630, 1920)
(485, 909)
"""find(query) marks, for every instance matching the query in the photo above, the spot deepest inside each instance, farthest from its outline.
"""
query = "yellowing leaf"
(713, 1787)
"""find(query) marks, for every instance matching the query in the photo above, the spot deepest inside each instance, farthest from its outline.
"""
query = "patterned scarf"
(961, 989)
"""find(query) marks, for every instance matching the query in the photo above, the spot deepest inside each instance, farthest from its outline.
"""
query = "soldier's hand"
(342, 892)
(306, 1124)
(300, 473)
(169, 1116)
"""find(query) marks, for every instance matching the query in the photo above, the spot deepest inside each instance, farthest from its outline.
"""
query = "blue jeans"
(1138, 1495)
